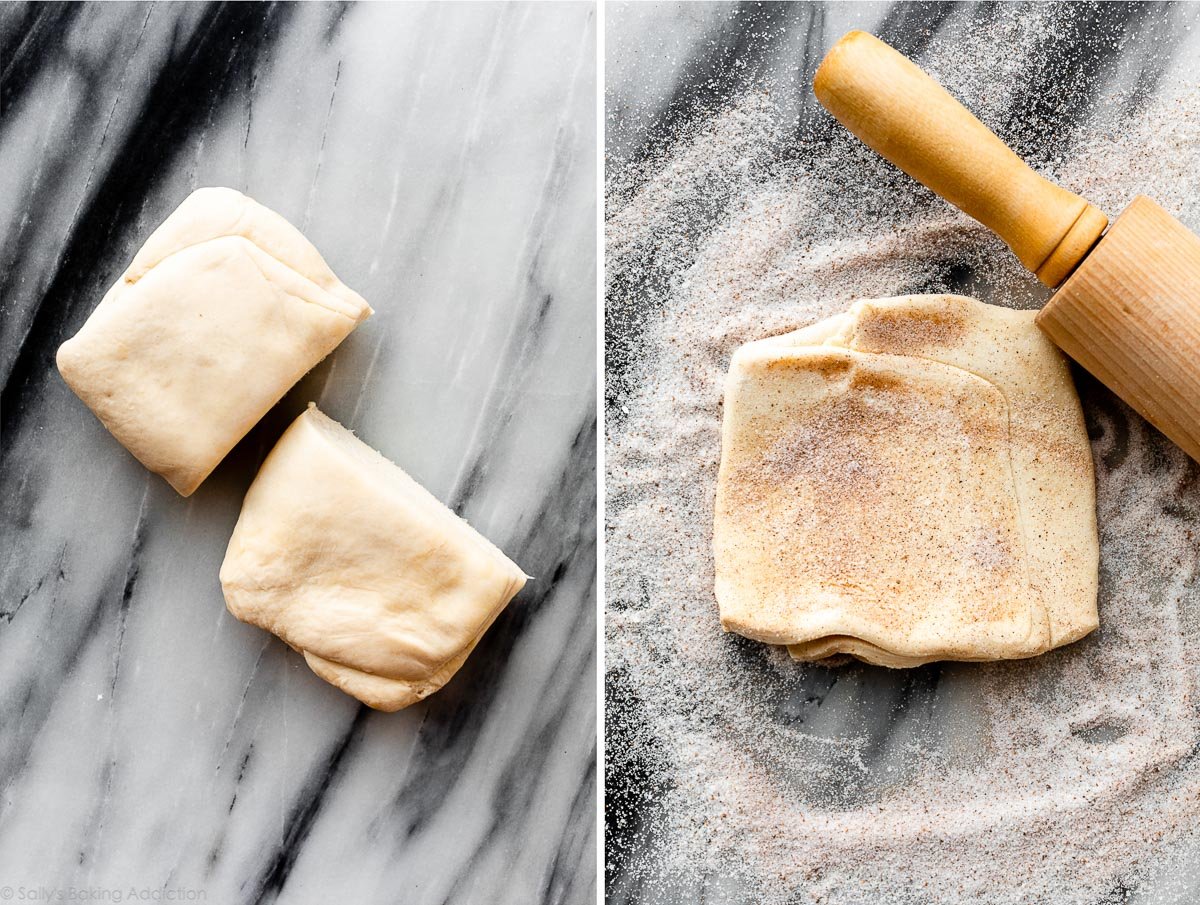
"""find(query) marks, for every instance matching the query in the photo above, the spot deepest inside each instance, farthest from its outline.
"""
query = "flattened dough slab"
(350, 561)
(223, 309)
(907, 482)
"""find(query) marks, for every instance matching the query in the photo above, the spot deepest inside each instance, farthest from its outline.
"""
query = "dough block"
(351, 562)
(223, 309)
(906, 482)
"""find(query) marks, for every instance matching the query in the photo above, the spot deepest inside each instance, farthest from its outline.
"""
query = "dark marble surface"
(669, 68)
(442, 158)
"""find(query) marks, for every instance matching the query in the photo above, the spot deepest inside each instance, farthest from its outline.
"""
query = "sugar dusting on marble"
(1082, 771)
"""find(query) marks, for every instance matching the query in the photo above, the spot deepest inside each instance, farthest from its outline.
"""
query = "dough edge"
(378, 691)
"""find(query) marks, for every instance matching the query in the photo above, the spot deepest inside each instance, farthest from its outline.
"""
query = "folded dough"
(906, 482)
(223, 309)
(346, 558)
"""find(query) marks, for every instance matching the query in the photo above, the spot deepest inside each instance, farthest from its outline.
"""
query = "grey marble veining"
(442, 158)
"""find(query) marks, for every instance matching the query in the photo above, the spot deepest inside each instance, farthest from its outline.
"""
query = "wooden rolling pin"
(1128, 306)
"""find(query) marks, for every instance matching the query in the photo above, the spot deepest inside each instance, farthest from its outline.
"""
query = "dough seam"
(770, 351)
(281, 632)
(273, 283)
(281, 290)
(1016, 485)
(125, 279)
(440, 666)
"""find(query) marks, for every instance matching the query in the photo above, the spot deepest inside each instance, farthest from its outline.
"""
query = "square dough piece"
(346, 558)
(224, 308)
(906, 482)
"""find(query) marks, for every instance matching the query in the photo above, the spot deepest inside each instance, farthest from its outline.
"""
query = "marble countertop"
(442, 158)
(672, 70)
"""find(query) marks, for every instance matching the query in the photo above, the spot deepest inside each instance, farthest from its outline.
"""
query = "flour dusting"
(1070, 778)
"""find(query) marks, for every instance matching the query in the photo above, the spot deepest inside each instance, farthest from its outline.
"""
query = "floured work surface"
(907, 482)
(734, 773)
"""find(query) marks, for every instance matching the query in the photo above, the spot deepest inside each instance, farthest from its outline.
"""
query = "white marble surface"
(442, 158)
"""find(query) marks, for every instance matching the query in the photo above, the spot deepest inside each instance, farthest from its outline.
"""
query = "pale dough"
(350, 561)
(223, 309)
(906, 482)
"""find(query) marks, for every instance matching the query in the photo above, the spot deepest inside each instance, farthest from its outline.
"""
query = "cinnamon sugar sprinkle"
(736, 774)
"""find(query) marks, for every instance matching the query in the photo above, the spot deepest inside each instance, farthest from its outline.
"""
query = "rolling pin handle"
(899, 111)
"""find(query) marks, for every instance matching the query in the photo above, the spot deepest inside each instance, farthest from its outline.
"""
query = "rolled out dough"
(906, 482)
(346, 558)
(223, 309)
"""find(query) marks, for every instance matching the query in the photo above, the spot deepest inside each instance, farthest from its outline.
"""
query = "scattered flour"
(1070, 778)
